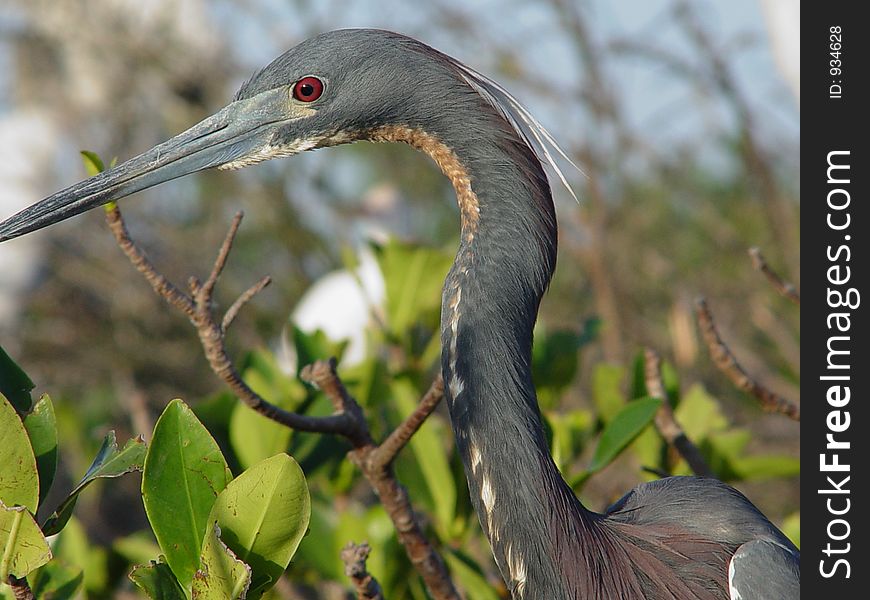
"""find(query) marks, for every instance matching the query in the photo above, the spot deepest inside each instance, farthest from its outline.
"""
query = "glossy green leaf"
(41, 427)
(15, 384)
(110, 462)
(157, 581)
(624, 427)
(221, 576)
(19, 481)
(23, 548)
(263, 514)
(56, 580)
(431, 453)
(184, 473)
(606, 392)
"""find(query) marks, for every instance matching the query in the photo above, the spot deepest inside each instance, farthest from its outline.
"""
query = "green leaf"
(19, 481)
(699, 414)
(157, 581)
(606, 393)
(263, 514)
(766, 467)
(93, 162)
(555, 357)
(221, 576)
(253, 436)
(624, 427)
(184, 473)
(311, 347)
(72, 547)
(791, 527)
(569, 434)
(430, 452)
(322, 528)
(57, 581)
(413, 277)
(23, 548)
(469, 575)
(110, 462)
(137, 548)
(15, 384)
(41, 427)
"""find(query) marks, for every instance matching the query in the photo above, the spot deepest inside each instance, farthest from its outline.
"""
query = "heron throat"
(490, 302)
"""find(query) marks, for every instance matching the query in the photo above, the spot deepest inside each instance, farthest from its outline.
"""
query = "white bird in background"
(344, 303)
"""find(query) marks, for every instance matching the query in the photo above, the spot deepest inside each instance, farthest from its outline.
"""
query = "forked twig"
(348, 420)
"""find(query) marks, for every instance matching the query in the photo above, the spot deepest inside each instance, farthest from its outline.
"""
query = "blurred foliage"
(656, 225)
(388, 383)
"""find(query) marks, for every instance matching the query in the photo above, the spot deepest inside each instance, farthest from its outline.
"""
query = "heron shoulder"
(702, 506)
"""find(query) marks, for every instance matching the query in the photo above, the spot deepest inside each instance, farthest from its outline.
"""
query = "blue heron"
(677, 537)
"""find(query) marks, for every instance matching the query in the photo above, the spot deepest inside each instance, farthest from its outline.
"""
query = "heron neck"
(489, 307)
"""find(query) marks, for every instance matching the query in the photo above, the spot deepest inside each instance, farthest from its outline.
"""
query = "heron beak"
(240, 130)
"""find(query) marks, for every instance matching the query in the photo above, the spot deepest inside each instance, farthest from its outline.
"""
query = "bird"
(675, 537)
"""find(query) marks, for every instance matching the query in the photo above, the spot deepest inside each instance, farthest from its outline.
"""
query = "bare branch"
(354, 557)
(727, 363)
(390, 447)
(348, 419)
(784, 288)
(220, 262)
(666, 422)
(240, 302)
(323, 375)
(164, 288)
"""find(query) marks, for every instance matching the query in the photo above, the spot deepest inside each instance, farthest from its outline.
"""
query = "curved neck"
(489, 306)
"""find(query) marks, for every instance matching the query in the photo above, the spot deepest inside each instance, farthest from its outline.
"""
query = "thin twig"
(784, 288)
(392, 494)
(727, 363)
(240, 302)
(665, 420)
(390, 447)
(164, 288)
(354, 557)
(348, 419)
(198, 310)
(220, 262)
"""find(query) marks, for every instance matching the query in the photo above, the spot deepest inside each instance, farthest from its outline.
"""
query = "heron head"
(330, 89)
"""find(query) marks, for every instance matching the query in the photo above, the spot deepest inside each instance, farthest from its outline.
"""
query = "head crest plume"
(526, 125)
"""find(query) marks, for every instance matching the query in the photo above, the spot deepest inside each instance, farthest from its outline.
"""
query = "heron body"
(676, 538)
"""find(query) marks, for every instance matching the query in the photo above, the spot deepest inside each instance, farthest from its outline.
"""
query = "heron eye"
(308, 89)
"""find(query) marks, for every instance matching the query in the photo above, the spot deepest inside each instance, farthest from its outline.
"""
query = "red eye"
(308, 89)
